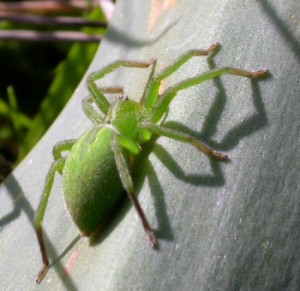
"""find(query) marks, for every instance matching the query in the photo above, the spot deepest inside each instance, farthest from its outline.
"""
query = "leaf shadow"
(115, 35)
(21, 204)
(283, 28)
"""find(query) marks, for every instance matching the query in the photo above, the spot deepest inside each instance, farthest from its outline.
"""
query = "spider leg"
(152, 92)
(57, 166)
(62, 146)
(90, 111)
(97, 93)
(182, 137)
(127, 184)
(165, 99)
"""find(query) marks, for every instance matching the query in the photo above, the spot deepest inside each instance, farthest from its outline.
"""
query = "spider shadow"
(245, 128)
(20, 203)
(232, 138)
(216, 178)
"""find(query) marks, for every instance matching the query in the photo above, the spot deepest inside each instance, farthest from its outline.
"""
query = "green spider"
(98, 166)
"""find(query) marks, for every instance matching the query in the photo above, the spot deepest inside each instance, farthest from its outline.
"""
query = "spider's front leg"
(98, 93)
(163, 103)
(57, 166)
(152, 92)
(90, 111)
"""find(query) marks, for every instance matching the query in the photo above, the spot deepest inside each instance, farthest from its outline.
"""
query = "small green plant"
(98, 165)
(15, 124)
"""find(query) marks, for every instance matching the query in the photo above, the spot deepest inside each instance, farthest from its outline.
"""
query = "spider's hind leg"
(127, 184)
(183, 137)
(57, 166)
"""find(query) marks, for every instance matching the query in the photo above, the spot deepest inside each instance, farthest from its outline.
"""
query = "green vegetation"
(37, 79)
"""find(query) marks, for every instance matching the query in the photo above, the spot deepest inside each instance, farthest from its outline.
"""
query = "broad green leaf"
(220, 226)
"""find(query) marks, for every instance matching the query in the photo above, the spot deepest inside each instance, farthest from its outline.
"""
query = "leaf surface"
(225, 226)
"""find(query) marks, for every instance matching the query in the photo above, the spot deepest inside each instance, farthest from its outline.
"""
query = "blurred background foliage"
(36, 81)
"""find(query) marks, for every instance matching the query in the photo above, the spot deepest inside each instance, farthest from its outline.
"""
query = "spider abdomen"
(91, 182)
